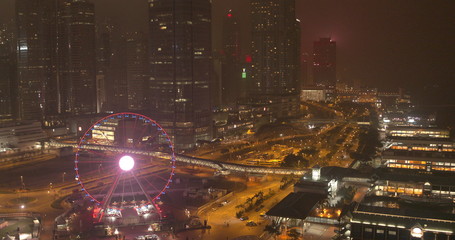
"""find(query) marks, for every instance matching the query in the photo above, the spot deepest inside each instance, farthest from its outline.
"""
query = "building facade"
(275, 47)
(7, 76)
(23, 136)
(36, 66)
(56, 59)
(180, 68)
(136, 70)
(324, 62)
(232, 83)
(76, 57)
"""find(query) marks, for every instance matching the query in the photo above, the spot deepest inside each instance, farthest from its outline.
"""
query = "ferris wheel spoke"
(97, 153)
(134, 129)
(158, 176)
(108, 196)
(123, 191)
(152, 185)
(96, 161)
(104, 135)
(142, 188)
(105, 188)
(141, 135)
(132, 190)
(95, 172)
(97, 141)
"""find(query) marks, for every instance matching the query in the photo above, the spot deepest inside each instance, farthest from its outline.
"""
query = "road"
(223, 221)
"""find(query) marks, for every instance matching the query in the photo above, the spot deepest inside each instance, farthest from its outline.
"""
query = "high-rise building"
(231, 37)
(36, 69)
(7, 69)
(136, 69)
(114, 87)
(304, 70)
(180, 62)
(104, 54)
(231, 69)
(324, 62)
(76, 57)
(275, 47)
(55, 58)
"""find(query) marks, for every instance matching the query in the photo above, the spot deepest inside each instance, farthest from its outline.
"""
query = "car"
(244, 218)
(251, 224)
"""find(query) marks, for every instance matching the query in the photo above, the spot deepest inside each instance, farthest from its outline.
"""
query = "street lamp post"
(22, 182)
(63, 176)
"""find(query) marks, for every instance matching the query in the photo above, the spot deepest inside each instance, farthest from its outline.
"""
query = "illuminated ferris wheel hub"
(126, 163)
(124, 182)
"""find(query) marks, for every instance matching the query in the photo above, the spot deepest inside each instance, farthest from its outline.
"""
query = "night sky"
(386, 44)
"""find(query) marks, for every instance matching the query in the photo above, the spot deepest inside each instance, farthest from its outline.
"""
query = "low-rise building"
(21, 135)
(381, 218)
(418, 132)
(429, 162)
(316, 94)
(421, 145)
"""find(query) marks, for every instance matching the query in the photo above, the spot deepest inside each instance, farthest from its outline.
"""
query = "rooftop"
(405, 216)
(296, 205)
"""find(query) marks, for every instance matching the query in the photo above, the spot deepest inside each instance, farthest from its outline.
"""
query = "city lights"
(171, 119)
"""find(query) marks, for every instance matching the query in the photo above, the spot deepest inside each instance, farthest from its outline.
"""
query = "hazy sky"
(386, 43)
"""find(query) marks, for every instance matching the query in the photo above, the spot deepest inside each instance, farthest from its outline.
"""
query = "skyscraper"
(324, 62)
(231, 71)
(180, 62)
(104, 53)
(136, 69)
(7, 68)
(76, 57)
(275, 47)
(231, 37)
(115, 73)
(36, 70)
(56, 58)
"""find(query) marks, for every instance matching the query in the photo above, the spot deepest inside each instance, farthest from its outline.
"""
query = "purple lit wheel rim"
(123, 115)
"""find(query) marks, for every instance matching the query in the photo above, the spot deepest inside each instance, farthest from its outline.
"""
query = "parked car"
(244, 218)
(251, 224)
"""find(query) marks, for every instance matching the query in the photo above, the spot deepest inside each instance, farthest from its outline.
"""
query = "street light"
(22, 182)
(282, 138)
(22, 206)
(63, 176)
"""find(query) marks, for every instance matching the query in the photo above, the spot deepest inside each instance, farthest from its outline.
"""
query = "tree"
(308, 151)
(272, 229)
(294, 234)
(294, 161)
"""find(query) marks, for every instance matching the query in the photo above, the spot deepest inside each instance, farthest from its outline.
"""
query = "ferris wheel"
(124, 163)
